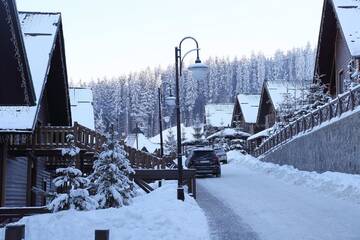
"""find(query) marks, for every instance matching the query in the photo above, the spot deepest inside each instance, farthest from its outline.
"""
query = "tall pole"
(160, 126)
(180, 189)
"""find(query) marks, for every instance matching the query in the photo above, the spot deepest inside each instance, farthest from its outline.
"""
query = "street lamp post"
(160, 126)
(198, 69)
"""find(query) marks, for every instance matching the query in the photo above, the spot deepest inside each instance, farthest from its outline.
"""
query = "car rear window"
(203, 154)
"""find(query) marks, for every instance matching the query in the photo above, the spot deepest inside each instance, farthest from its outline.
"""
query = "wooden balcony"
(48, 141)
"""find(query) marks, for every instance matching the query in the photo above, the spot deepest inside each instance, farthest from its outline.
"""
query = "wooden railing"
(343, 103)
(48, 138)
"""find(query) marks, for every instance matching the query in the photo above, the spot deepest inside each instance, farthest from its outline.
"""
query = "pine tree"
(170, 142)
(111, 177)
(198, 133)
(71, 192)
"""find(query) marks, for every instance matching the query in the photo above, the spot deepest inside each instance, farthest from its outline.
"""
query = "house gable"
(266, 108)
(14, 69)
(336, 44)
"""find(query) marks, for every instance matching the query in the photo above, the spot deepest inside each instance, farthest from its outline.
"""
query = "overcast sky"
(113, 37)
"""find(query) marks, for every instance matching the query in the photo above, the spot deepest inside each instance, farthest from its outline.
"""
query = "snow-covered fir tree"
(198, 130)
(132, 98)
(111, 176)
(71, 192)
(170, 142)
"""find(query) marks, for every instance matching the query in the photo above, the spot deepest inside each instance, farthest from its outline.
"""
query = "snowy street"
(259, 200)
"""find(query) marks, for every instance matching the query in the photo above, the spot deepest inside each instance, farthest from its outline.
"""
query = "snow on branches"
(111, 177)
(71, 192)
(170, 142)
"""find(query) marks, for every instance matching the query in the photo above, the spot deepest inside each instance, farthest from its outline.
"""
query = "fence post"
(101, 234)
(15, 232)
(351, 100)
(339, 107)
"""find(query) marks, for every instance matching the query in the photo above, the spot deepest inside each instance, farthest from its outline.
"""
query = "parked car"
(220, 152)
(205, 162)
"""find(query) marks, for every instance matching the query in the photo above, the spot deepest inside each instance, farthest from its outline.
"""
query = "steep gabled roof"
(279, 89)
(249, 105)
(14, 68)
(82, 110)
(345, 16)
(218, 115)
(348, 15)
(40, 32)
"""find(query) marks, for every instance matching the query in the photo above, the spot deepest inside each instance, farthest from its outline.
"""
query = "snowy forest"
(132, 99)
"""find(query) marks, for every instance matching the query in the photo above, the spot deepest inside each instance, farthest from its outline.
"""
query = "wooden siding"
(342, 59)
(43, 180)
(267, 113)
(2, 173)
(16, 182)
(14, 70)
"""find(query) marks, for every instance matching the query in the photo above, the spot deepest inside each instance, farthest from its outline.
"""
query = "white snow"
(82, 110)
(348, 13)
(278, 89)
(189, 131)
(282, 203)
(229, 132)
(158, 215)
(219, 115)
(249, 105)
(39, 32)
(141, 141)
(262, 134)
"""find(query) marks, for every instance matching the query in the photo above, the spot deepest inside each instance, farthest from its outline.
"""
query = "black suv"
(205, 162)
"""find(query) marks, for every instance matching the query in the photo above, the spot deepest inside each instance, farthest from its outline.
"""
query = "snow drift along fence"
(343, 103)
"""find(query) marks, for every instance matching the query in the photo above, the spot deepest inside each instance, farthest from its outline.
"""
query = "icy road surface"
(254, 201)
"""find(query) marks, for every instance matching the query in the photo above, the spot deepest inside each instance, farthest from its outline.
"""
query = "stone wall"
(334, 147)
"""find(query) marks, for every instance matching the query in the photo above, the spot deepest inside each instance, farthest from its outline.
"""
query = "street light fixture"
(199, 70)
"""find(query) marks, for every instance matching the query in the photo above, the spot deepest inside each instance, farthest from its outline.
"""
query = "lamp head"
(199, 70)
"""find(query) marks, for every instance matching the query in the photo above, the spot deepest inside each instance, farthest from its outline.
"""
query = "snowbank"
(157, 215)
(341, 185)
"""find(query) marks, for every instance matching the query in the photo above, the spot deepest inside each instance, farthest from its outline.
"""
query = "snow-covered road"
(275, 207)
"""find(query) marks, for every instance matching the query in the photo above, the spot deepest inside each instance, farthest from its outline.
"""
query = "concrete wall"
(335, 147)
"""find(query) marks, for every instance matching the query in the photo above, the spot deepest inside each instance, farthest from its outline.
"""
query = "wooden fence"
(48, 140)
(346, 102)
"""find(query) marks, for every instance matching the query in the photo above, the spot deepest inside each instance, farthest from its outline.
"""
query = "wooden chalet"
(33, 93)
(272, 96)
(338, 44)
(35, 117)
(245, 112)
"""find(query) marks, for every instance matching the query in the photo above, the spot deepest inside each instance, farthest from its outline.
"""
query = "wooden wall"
(16, 182)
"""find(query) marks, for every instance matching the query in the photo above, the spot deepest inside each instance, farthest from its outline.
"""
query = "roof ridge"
(36, 12)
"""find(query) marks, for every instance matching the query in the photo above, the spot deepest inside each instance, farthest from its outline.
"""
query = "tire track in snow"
(224, 224)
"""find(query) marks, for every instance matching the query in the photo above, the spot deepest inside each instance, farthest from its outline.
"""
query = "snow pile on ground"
(341, 185)
(157, 215)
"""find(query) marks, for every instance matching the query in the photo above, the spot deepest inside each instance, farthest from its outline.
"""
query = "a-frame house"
(338, 44)
(33, 93)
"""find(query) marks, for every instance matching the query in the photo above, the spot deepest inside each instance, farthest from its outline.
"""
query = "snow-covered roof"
(82, 110)
(279, 89)
(142, 142)
(249, 106)
(348, 14)
(218, 115)
(263, 134)
(189, 131)
(229, 133)
(39, 31)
